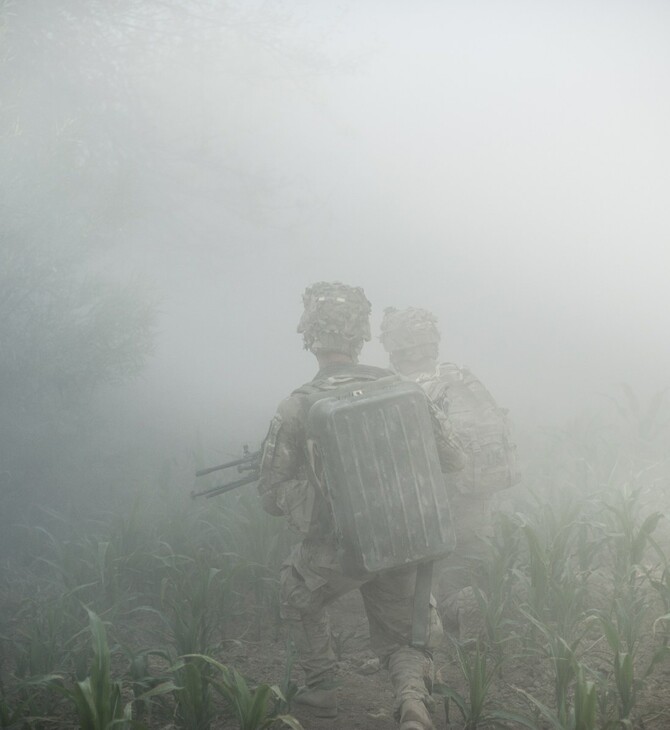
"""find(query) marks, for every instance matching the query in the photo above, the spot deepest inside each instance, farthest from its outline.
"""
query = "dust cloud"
(503, 165)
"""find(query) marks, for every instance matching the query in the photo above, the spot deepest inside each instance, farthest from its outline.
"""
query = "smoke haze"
(505, 165)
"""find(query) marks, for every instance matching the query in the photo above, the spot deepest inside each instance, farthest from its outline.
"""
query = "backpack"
(481, 426)
(372, 446)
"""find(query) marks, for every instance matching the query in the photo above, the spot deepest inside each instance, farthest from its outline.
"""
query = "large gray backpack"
(482, 427)
(372, 445)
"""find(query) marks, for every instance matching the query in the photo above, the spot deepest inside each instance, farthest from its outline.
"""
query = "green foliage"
(288, 688)
(565, 566)
(11, 715)
(562, 656)
(661, 585)
(555, 580)
(629, 535)
(585, 706)
(260, 541)
(495, 580)
(45, 639)
(190, 595)
(251, 706)
(97, 699)
(144, 684)
(193, 695)
(581, 716)
(478, 672)
(623, 633)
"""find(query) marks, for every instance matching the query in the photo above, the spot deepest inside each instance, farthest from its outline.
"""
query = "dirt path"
(366, 700)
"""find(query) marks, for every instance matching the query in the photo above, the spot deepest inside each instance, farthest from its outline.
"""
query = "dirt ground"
(364, 690)
(366, 700)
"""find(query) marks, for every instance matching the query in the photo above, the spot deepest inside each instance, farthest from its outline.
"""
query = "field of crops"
(164, 614)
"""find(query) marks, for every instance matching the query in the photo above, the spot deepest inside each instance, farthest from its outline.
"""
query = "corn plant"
(261, 542)
(83, 564)
(133, 540)
(252, 707)
(195, 710)
(629, 535)
(626, 617)
(662, 587)
(191, 590)
(478, 673)
(187, 597)
(30, 700)
(11, 715)
(582, 715)
(562, 657)
(45, 641)
(626, 683)
(584, 711)
(622, 632)
(556, 582)
(288, 688)
(495, 581)
(40, 638)
(97, 699)
(142, 680)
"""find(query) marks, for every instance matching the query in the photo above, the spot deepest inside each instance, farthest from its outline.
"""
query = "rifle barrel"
(203, 472)
(225, 487)
(247, 459)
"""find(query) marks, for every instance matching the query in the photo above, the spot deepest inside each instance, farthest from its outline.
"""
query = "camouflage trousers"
(452, 582)
(311, 578)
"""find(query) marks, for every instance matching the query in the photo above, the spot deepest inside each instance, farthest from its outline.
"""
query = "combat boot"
(414, 716)
(322, 701)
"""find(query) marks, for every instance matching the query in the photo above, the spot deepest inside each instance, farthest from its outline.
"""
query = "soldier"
(335, 324)
(411, 338)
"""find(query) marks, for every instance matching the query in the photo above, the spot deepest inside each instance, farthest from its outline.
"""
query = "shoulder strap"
(329, 379)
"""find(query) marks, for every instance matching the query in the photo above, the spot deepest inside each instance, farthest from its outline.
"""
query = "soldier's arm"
(449, 447)
(282, 454)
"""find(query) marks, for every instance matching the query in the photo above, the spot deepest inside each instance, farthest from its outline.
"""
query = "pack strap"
(421, 608)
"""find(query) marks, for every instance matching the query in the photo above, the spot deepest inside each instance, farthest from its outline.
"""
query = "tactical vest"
(372, 448)
(481, 426)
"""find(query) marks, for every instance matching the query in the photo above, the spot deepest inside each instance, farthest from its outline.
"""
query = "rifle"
(250, 461)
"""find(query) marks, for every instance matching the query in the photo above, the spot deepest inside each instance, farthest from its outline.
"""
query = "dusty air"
(334, 381)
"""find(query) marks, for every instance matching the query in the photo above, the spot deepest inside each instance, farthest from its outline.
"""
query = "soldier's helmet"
(336, 318)
(409, 334)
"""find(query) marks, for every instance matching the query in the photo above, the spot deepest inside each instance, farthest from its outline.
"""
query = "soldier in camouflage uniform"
(335, 324)
(411, 338)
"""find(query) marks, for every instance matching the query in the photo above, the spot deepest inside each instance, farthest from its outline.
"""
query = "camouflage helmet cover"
(336, 318)
(413, 331)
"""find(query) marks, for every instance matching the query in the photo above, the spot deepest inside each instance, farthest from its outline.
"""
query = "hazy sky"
(506, 165)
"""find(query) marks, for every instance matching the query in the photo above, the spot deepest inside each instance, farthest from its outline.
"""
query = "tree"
(82, 168)
(66, 329)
